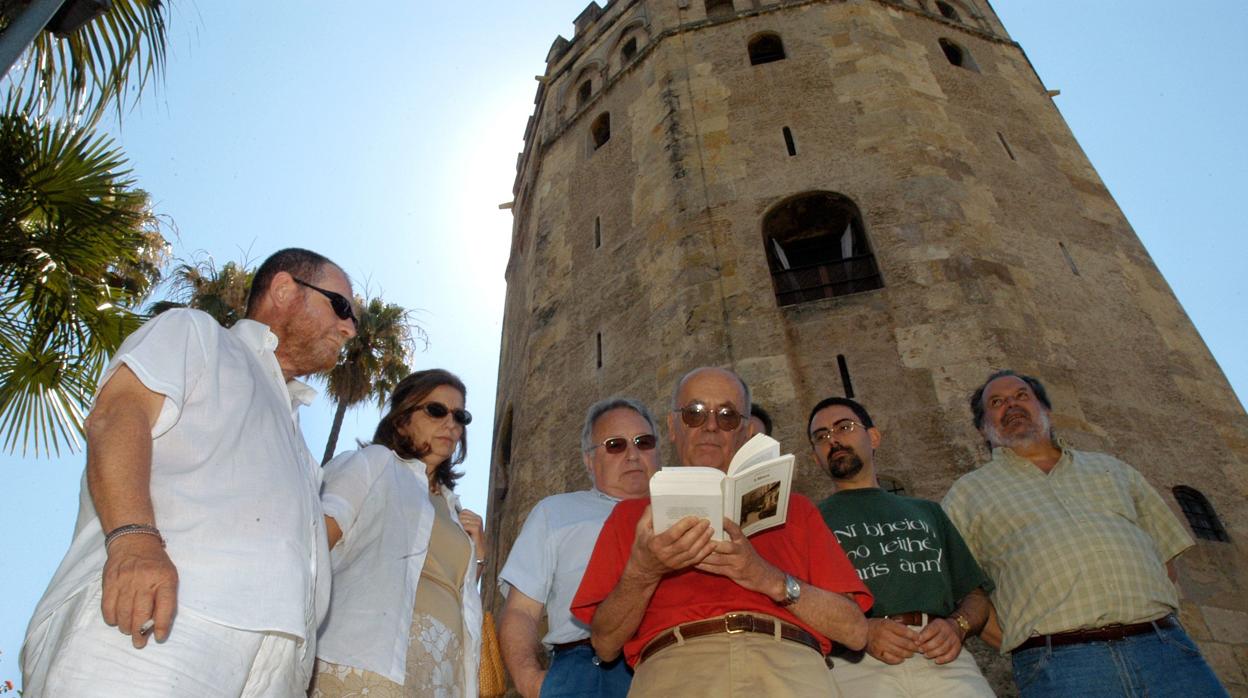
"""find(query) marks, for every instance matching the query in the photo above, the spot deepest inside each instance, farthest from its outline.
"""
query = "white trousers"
(74, 654)
(917, 676)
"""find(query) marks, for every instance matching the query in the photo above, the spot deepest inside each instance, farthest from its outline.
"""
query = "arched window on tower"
(719, 9)
(957, 55)
(766, 48)
(948, 11)
(1200, 514)
(817, 248)
(600, 130)
(628, 50)
(583, 92)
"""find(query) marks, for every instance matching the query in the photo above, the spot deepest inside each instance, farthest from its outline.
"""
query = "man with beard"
(1081, 548)
(748, 616)
(200, 501)
(929, 592)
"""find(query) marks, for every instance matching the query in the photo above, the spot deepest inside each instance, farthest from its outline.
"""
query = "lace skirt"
(435, 661)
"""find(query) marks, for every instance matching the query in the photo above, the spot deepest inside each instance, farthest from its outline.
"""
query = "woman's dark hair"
(407, 396)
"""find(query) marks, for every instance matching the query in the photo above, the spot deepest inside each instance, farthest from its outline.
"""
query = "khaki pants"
(917, 676)
(748, 665)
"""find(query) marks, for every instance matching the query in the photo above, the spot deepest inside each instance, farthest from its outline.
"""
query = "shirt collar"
(260, 339)
(599, 493)
(1007, 455)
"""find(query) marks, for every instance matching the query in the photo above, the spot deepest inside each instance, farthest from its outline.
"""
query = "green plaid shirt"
(1083, 547)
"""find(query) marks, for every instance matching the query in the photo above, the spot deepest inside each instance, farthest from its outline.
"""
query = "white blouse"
(381, 503)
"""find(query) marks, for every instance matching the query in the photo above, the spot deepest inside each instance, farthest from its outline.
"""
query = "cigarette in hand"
(147, 626)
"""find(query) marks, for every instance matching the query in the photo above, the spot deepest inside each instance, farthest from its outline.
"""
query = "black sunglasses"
(695, 415)
(342, 306)
(437, 410)
(619, 444)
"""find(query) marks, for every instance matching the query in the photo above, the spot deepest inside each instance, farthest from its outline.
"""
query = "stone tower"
(867, 197)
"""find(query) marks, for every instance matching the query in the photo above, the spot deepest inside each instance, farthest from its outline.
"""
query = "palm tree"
(222, 293)
(82, 74)
(79, 250)
(373, 362)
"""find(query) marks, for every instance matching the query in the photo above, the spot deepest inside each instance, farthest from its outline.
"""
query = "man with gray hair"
(548, 558)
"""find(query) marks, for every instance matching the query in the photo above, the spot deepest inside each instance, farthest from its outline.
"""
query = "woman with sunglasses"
(404, 618)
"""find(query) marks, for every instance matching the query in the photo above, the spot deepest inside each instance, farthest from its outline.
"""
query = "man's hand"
(140, 584)
(737, 560)
(941, 640)
(687, 543)
(891, 642)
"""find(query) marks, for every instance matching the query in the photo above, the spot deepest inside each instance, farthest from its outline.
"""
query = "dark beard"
(844, 467)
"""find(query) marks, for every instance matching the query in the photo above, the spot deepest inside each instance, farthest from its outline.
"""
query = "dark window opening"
(600, 130)
(597, 232)
(629, 49)
(817, 248)
(846, 383)
(599, 336)
(766, 48)
(583, 92)
(719, 9)
(1069, 260)
(501, 484)
(788, 141)
(1005, 144)
(956, 55)
(947, 11)
(891, 484)
(1200, 514)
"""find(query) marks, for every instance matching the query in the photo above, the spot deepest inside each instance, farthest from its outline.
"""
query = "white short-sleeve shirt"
(549, 557)
(234, 487)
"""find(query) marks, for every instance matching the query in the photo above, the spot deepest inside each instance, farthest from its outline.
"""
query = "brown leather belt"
(731, 624)
(908, 618)
(1108, 633)
(561, 646)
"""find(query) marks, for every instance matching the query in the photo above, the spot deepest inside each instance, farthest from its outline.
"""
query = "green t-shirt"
(907, 552)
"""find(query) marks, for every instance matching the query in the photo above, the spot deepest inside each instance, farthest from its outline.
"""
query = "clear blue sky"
(385, 134)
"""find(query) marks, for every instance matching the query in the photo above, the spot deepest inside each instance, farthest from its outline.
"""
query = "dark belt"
(909, 618)
(561, 646)
(1108, 633)
(731, 624)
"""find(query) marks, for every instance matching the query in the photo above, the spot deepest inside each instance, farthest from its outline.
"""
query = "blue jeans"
(573, 673)
(1163, 662)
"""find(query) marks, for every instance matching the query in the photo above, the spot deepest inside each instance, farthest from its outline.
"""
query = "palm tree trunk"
(339, 413)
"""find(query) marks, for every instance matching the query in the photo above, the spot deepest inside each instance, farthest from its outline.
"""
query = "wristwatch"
(792, 591)
(963, 623)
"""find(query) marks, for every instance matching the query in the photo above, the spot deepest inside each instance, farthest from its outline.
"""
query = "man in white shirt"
(199, 521)
(547, 560)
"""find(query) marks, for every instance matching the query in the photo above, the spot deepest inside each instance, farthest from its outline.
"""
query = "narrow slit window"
(600, 130)
(597, 232)
(846, 382)
(1069, 260)
(598, 342)
(788, 141)
(1200, 514)
(892, 484)
(1005, 144)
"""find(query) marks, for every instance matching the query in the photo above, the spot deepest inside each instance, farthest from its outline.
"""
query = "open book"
(754, 493)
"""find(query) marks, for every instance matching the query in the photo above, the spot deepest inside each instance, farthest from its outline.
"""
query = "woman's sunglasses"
(342, 306)
(618, 444)
(437, 410)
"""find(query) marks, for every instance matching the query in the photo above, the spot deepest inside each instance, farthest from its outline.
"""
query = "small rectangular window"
(788, 141)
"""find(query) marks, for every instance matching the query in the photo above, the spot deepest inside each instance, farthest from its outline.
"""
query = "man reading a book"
(930, 594)
(757, 614)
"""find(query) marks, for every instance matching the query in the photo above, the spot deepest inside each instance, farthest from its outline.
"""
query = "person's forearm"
(991, 632)
(119, 465)
(833, 615)
(521, 646)
(974, 608)
(619, 615)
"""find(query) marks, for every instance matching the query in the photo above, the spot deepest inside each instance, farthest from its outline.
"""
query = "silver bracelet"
(132, 529)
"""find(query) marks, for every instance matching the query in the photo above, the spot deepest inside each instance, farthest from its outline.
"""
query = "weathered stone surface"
(997, 243)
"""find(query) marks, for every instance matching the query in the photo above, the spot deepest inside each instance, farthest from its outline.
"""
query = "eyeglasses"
(619, 444)
(843, 428)
(437, 410)
(695, 415)
(342, 306)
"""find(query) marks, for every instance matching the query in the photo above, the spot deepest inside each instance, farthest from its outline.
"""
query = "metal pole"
(22, 32)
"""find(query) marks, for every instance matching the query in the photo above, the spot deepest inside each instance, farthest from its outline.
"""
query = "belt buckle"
(729, 618)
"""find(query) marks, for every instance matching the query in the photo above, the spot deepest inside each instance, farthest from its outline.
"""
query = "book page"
(758, 499)
(759, 449)
(677, 492)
